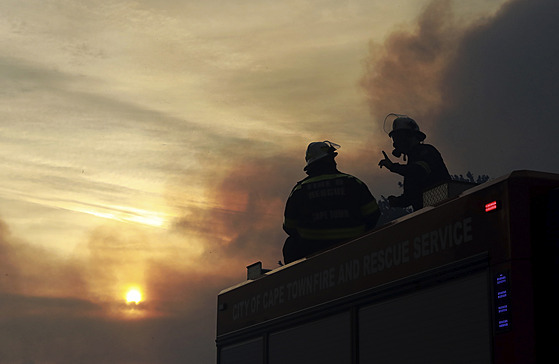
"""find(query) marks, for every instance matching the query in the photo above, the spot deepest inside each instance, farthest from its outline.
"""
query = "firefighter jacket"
(425, 169)
(326, 209)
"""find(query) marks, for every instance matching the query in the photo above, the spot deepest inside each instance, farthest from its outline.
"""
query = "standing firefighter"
(327, 207)
(425, 167)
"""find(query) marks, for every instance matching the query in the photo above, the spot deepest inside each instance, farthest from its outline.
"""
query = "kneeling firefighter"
(425, 167)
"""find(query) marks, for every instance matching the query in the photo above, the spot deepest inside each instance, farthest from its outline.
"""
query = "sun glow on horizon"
(133, 295)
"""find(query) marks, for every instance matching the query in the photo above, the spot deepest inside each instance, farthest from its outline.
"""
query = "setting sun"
(133, 295)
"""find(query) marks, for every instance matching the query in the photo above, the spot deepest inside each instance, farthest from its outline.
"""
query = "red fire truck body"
(472, 279)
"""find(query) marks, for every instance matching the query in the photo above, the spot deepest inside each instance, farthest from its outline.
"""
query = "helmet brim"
(418, 133)
(313, 161)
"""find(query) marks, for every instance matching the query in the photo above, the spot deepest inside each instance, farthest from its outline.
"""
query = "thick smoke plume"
(486, 94)
(403, 75)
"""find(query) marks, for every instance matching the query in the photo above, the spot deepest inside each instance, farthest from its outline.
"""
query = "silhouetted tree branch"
(482, 178)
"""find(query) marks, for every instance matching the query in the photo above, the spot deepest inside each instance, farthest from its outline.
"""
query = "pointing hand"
(386, 162)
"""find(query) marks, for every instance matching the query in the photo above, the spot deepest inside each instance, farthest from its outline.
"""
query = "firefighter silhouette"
(425, 167)
(326, 208)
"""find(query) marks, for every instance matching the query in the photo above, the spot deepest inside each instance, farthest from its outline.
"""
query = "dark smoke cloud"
(246, 224)
(485, 94)
(501, 90)
(403, 74)
(62, 339)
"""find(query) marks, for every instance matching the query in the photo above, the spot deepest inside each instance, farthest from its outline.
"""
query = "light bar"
(491, 206)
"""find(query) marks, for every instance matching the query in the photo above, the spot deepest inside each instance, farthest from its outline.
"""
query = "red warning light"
(491, 206)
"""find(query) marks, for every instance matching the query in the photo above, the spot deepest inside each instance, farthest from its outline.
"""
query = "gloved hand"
(386, 162)
(394, 201)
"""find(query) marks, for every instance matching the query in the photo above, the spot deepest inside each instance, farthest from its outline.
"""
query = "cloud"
(403, 74)
(63, 339)
(23, 269)
(244, 222)
(467, 86)
(485, 93)
(501, 90)
(69, 310)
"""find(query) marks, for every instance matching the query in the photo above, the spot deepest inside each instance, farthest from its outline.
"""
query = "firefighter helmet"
(319, 150)
(405, 123)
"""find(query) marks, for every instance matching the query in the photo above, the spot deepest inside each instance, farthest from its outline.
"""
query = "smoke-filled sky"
(153, 143)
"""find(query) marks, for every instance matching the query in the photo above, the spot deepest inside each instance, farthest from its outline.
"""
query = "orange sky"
(152, 144)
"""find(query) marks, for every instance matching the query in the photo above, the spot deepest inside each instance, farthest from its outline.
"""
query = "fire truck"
(470, 278)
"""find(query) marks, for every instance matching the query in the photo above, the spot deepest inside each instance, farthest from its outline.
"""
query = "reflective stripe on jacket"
(330, 208)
